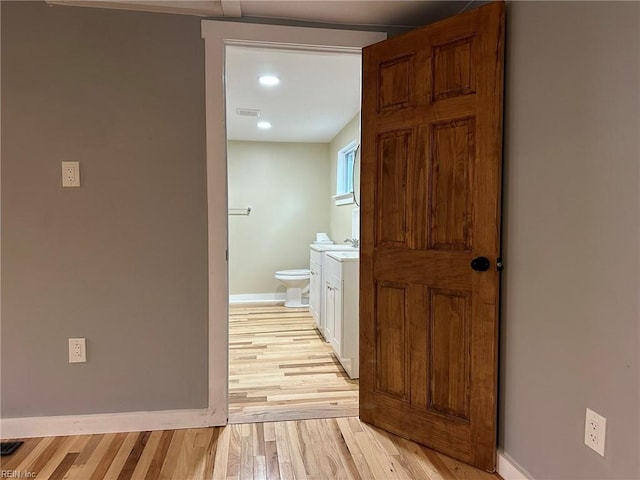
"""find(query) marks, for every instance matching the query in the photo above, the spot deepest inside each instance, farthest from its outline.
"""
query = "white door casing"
(217, 35)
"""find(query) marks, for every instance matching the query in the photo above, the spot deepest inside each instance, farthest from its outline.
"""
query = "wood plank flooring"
(280, 368)
(322, 449)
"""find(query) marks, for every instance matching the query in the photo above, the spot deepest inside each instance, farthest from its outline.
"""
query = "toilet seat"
(293, 274)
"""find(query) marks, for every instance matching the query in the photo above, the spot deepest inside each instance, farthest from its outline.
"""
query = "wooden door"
(430, 186)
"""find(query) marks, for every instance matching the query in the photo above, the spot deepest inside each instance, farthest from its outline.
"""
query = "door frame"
(217, 35)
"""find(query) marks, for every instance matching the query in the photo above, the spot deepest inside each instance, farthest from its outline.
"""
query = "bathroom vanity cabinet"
(342, 308)
(317, 281)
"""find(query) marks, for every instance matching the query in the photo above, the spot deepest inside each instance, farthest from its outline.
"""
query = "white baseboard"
(508, 469)
(257, 299)
(104, 423)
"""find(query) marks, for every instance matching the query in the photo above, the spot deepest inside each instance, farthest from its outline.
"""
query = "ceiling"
(402, 13)
(319, 92)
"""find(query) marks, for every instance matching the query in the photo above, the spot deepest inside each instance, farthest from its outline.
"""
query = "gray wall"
(570, 331)
(122, 260)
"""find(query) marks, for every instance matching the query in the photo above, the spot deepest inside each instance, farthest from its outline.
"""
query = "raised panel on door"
(430, 195)
(449, 362)
(395, 80)
(391, 349)
(454, 72)
(450, 184)
(440, 188)
(391, 207)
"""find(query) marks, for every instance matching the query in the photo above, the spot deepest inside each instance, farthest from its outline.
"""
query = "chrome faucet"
(353, 241)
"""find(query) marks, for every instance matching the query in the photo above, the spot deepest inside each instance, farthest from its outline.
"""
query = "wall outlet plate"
(70, 174)
(77, 350)
(595, 428)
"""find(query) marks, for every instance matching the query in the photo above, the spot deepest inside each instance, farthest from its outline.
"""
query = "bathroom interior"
(293, 232)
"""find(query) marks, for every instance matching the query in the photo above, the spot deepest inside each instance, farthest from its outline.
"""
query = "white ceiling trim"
(291, 46)
(202, 8)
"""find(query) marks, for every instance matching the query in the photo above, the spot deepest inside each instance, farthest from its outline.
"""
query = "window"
(344, 177)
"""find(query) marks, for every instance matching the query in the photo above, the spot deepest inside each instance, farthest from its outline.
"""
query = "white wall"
(341, 214)
(287, 186)
(570, 316)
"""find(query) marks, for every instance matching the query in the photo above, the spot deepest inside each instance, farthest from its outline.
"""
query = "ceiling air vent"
(248, 112)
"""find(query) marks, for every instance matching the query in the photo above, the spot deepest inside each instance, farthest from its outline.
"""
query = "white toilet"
(297, 283)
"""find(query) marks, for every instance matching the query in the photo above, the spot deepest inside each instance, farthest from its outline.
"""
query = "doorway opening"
(284, 140)
(429, 117)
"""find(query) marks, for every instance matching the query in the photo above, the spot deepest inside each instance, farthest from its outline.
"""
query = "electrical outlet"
(595, 428)
(77, 350)
(70, 174)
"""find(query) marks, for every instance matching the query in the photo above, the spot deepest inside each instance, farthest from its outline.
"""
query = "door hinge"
(499, 265)
(226, 255)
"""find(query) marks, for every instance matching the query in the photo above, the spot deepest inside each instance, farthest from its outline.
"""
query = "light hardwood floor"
(280, 368)
(323, 449)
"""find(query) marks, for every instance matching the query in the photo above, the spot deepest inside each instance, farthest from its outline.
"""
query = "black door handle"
(480, 264)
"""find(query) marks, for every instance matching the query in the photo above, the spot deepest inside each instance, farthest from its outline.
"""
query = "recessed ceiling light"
(268, 80)
(264, 125)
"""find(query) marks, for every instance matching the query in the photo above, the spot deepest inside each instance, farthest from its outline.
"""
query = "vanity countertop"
(349, 256)
(332, 247)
